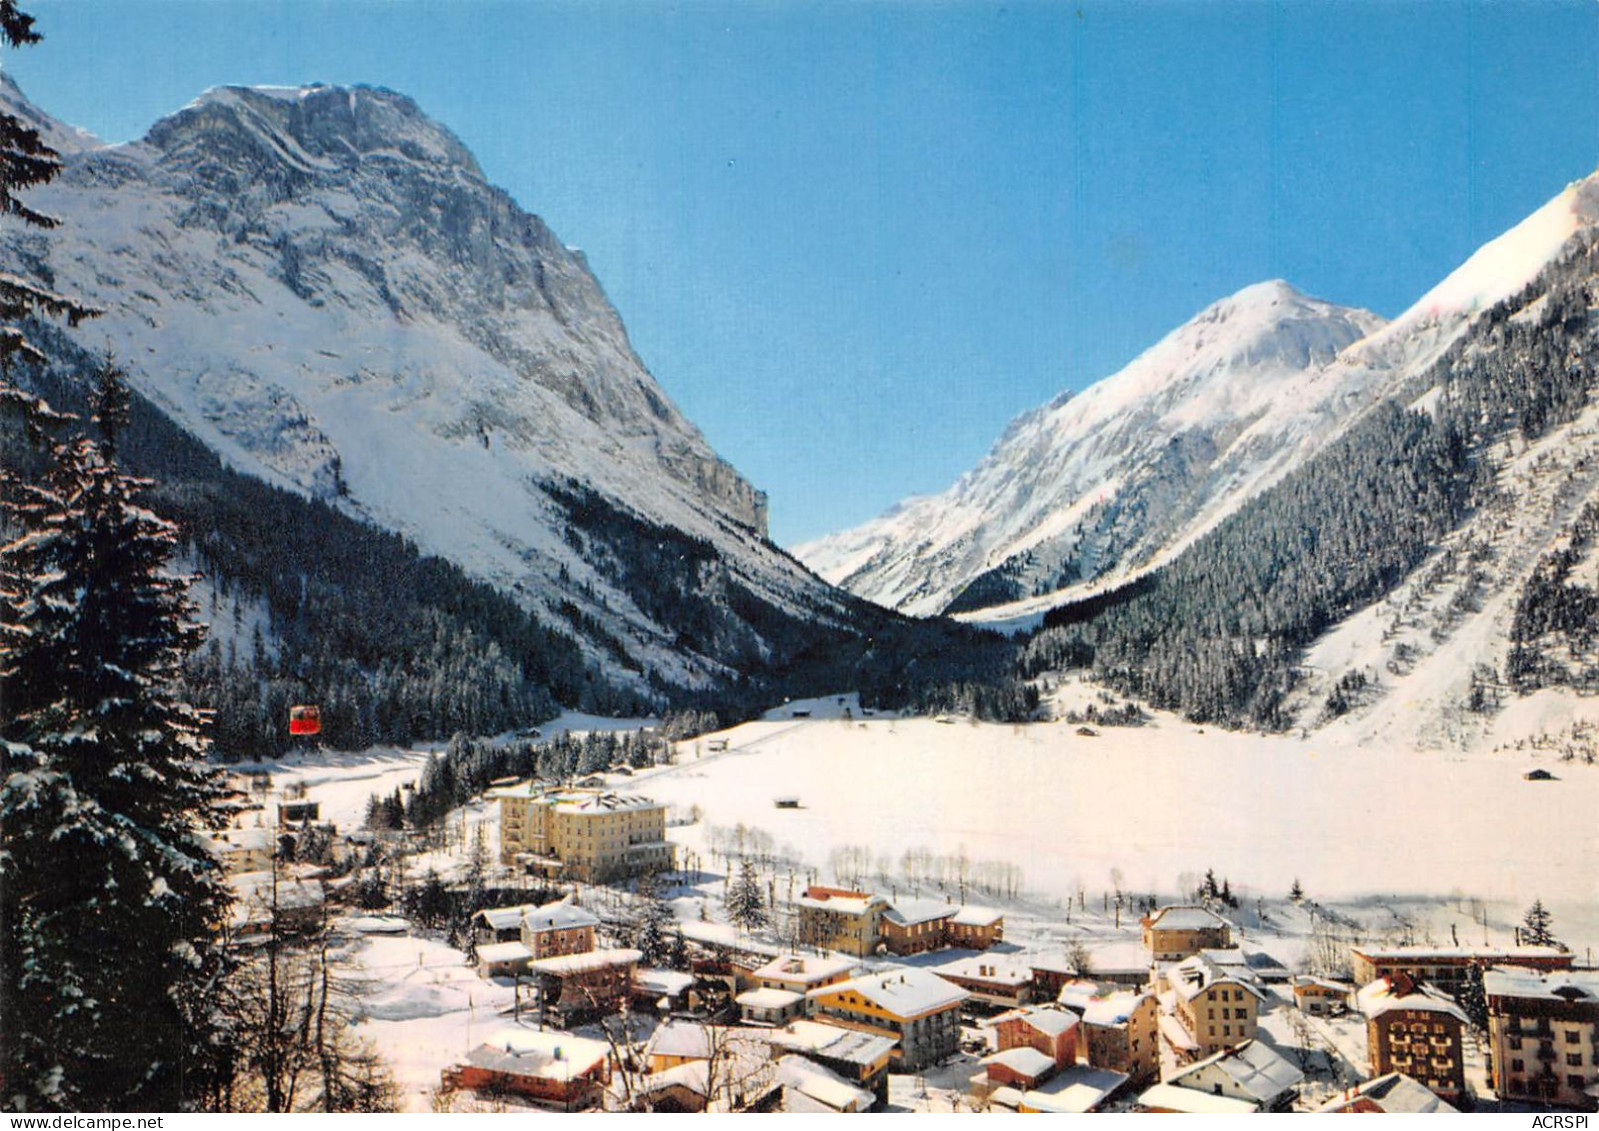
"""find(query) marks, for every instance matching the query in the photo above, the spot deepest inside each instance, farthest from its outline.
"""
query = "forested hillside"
(1217, 634)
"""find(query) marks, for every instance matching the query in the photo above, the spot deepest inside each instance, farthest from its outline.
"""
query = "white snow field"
(1156, 803)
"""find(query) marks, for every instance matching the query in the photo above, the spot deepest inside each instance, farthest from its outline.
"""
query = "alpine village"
(405, 709)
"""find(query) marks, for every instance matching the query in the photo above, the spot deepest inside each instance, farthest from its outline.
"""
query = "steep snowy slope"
(321, 286)
(1099, 486)
(1134, 466)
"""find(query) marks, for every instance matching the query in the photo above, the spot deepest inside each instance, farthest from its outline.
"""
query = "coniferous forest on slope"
(1217, 633)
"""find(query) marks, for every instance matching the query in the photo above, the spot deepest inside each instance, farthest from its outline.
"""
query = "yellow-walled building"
(582, 834)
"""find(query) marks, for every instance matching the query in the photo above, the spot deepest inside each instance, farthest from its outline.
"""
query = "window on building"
(1574, 1059)
(1574, 1081)
(1573, 1037)
(1518, 1066)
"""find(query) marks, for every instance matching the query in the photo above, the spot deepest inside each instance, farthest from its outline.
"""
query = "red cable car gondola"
(305, 720)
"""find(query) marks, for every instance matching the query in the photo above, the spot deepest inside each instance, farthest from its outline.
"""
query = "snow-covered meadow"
(1156, 805)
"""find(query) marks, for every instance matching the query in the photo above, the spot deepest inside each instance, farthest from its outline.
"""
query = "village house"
(858, 1055)
(1543, 1030)
(1393, 1094)
(502, 959)
(841, 919)
(1050, 1029)
(997, 982)
(1415, 1029)
(556, 1069)
(976, 928)
(800, 973)
(766, 1006)
(661, 991)
(585, 985)
(916, 1007)
(914, 926)
(590, 835)
(695, 1066)
(1050, 973)
(809, 1087)
(1447, 968)
(1252, 1072)
(1320, 997)
(1187, 1101)
(1073, 1090)
(244, 850)
(1174, 933)
(1023, 1068)
(1120, 1033)
(558, 928)
(1213, 1008)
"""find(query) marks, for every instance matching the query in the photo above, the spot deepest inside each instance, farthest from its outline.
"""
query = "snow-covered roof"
(1023, 1059)
(819, 1084)
(566, 964)
(909, 912)
(1251, 964)
(1076, 1088)
(1390, 993)
(1409, 955)
(1312, 982)
(1196, 973)
(1006, 1097)
(843, 902)
(1184, 917)
(769, 999)
(803, 969)
(589, 802)
(1176, 1036)
(908, 992)
(987, 968)
(493, 953)
(1050, 1021)
(1113, 1010)
(1053, 964)
(1560, 985)
(562, 915)
(1255, 1069)
(676, 1038)
(1395, 1094)
(549, 1055)
(852, 1046)
(505, 918)
(662, 983)
(1170, 1097)
(970, 916)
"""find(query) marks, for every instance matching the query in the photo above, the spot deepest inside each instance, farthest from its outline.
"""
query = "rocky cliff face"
(320, 284)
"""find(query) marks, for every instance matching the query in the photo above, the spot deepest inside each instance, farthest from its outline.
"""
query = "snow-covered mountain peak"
(64, 139)
(1094, 481)
(320, 285)
(318, 123)
(1494, 272)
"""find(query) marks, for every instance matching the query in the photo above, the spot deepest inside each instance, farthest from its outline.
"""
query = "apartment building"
(916, 1007)
(1415, 1029)
(590, 835)
(1174, 933)
(1543, 1031)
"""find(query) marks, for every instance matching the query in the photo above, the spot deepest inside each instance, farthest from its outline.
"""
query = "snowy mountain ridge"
(1097, 481)
(1097, 487)
(320, 284)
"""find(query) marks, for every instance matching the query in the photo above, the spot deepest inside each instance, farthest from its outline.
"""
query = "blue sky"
(853, 240)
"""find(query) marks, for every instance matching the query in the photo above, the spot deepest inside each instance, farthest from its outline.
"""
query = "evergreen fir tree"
(1535, 926)
(1297, 892)
(744, 903)
(113, 905)
(654, 920)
